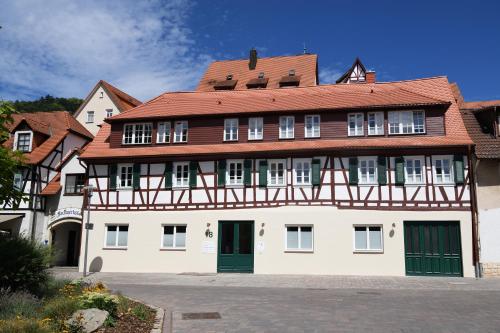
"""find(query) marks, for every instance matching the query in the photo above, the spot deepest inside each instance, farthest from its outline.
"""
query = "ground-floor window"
(174, 237)
(116, 235)
(368, 238)
(299, 238)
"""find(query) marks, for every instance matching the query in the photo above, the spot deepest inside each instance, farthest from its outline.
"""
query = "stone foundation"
(491, 269)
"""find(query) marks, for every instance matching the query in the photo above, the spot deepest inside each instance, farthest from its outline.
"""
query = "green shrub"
(20, 304)
(24, 326)
(59, 309)
(141, 312)
(100, 301)
(24, 264)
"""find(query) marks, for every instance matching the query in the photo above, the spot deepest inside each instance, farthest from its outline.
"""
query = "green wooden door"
(235, 247)
(433, 248)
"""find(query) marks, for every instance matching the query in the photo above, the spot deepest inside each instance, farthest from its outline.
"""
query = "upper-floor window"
(235, 172)
(90, 116)
(23, 141)
(355, 126)
(302, 170)
(277, 172)
(406, 122)
(231, 129)
(163, 134)
(137, 133)
(414, 170)
(109, 113)
(312, 126)
(74, 183)
(287, 124)
(443, 170)
(125, 174)
(181, 131)
(18, 180)
(375, 123)
(181, 174)
(367, 170)
(255, 128)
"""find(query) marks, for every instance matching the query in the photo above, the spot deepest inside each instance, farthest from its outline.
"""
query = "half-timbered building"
(369, 178)
(52, 179)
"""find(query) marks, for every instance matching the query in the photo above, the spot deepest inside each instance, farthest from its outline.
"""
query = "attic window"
(291, 72)
(260, 82)
(23, 141)
(291, 80)
(227, 84)
(102, 94)
(229, 77)
(261, 75)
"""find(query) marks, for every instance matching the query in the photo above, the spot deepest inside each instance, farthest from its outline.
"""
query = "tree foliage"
(10, 161)
(48, 103)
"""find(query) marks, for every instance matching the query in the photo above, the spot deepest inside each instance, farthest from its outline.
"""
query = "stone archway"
(65, 238)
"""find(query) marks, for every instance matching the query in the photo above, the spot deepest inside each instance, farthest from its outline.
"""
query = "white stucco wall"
(333, 240)
(99, 106)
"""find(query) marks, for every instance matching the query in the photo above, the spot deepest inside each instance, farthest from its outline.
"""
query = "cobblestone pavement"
(259, 303)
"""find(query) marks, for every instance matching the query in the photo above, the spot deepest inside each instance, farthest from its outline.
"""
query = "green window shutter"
(193, 174)
(353, 171)
(113, 169)
(168, 175)
(247, 172)
(400, 171)
(458, 161)
(136, 177)
(382, 170)
(221, 173)
(316, 170)
(263, 173)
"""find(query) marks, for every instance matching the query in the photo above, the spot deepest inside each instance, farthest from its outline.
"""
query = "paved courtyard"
(254, 303)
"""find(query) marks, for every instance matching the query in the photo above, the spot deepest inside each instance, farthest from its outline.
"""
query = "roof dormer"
(23, 141)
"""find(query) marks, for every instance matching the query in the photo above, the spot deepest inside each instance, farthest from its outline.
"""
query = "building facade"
(263, 170)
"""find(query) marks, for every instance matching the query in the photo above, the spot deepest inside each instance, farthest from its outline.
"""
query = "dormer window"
(291, 72)
(290, 80)
(406, 122)
(261, 75)
(137, 133)
(229, 77)
(23, 141)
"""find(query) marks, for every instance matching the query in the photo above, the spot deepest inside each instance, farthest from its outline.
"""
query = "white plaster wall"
(99, 106)
(489, 233)
(333, 240)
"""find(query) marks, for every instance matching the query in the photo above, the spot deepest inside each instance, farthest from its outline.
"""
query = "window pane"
(122, 235)
(375, 238)
(111, 236)
(360, 239)
(306, 238)
(168, 236)
(292, 237)
(180, 236)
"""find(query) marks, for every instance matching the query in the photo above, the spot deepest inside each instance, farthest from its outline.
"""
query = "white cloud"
(329, 75)
(64, 47)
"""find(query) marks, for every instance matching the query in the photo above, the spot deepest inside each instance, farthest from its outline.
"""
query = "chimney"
(370, 77)
(252, 63)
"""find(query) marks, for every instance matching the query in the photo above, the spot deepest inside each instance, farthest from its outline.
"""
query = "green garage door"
(433, 248)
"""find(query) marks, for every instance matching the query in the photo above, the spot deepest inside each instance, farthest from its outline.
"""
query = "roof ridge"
(260, 58)
(118, 91)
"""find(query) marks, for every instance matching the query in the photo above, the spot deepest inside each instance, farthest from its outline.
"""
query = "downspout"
(474, 212)
(33, 203)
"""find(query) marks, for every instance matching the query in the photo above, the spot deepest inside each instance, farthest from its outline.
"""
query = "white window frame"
(90, 117)
(359, 129)
(16, 140)
(184, 181)
(368, 247)
(295, 174)
(401, 126)
(270, 182)
(18, 180)
(312, 131)
(367, 159)
(109, 113)
(134, 136)
(119, 176)
(299, 248)
(231, 129)
(379, 123)
(117, 225)
(410, 178)
(452, 175)
(180, 125)
(253, 131)
(228, 172)
(174, 247)
(288, 133)
(163, 136)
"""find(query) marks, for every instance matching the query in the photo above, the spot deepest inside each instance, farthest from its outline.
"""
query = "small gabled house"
(103, 101)
(352, 179)
(357, 73)
(52, 179)
(482, 120)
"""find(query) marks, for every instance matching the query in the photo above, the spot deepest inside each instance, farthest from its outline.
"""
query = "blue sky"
(63, 47)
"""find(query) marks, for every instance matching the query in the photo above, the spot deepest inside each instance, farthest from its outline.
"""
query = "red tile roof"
(487, 145)
(274, 68)
(56, 125)
(53, 187)
(329, 97)
(479, 104)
